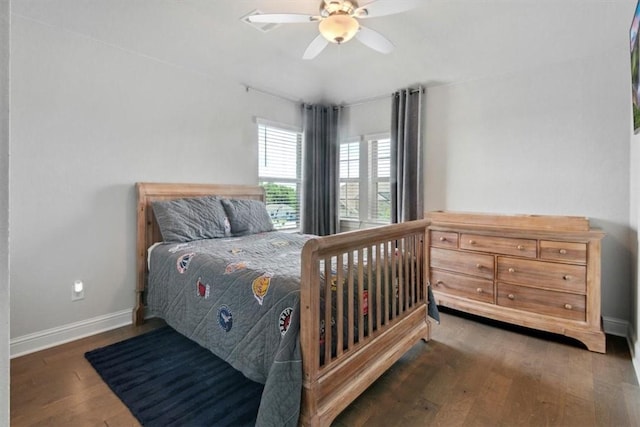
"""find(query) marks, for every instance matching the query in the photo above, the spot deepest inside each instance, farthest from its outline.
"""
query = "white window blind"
(379, 173)
(279, 169)
(365, 166)
(350, 180)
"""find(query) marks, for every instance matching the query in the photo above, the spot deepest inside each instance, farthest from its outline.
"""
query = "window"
(379, 176)
(350, 180)
(279, 173)
(365, 166)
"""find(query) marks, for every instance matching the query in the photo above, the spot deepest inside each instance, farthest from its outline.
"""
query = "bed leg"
(427, 335)
(138, 315)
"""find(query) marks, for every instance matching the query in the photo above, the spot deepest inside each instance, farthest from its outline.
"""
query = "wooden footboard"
(375, 301)
(384, 314)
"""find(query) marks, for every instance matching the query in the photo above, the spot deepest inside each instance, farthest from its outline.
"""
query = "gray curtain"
(320, 127)
(406, 156)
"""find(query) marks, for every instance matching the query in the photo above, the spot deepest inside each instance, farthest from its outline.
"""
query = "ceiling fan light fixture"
(339, 27)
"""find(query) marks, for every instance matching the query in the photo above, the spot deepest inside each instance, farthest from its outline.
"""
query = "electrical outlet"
(77, 290)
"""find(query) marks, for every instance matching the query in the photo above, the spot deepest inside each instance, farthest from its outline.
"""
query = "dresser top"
(528, 222)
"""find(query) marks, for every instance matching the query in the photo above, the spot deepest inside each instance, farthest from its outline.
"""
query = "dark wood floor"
(472, 373)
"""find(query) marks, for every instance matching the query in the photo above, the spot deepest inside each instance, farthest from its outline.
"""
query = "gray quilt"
(239, 297)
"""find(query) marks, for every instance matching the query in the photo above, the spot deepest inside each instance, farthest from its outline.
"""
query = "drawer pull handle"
(443, 239)
(479, 290)
(568, 306)
(472, 242)
(512, 270)
(566, 277)
(520, 247)
(439, 282)
(563, 251)
(511, 296)
(479, 266)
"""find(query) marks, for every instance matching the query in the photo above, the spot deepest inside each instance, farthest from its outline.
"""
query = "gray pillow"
(197, 218)
(247, 216)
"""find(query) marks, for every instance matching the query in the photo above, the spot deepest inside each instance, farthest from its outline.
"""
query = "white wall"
(89, 120)
(367, 117)
(634, 239)
(4, 210)
(550, 140)
(635, 243)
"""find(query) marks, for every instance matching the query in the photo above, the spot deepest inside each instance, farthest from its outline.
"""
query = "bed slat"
(340, 307)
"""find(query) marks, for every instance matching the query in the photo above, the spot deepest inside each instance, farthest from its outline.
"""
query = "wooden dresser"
(542, 272)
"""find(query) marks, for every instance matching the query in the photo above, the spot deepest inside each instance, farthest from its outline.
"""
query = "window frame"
(375, 178)
(297, 181)
(365, 180)
(348, 180)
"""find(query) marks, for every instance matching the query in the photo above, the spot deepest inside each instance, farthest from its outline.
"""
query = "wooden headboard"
(148, 231)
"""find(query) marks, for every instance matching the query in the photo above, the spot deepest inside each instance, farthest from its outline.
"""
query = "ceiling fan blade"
(281, 18)
(386, 7)
(315, 47)
(374, 40)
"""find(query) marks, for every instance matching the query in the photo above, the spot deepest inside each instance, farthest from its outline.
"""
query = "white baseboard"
(632, 341)
(636, 363)
(622, 328)
(62, 334)
(617, 327)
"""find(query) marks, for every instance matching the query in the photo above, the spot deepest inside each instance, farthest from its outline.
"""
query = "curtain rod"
(247, 88)
(365, 101)
(379, 97)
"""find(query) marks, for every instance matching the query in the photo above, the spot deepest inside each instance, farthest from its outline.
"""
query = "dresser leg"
(595, 341)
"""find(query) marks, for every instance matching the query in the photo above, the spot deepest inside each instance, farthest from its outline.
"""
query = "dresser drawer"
(463, 262)
(462, 286)
(444, 239)
(551, 275)
(563, 251)
(500, 245)
(551, 303)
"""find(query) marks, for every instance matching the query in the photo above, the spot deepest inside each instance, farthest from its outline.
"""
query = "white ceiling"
(440, 42)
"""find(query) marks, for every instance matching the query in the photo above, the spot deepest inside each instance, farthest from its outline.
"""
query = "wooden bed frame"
(331, 383)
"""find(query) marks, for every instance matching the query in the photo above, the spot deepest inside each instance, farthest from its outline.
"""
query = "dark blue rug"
(165, 379)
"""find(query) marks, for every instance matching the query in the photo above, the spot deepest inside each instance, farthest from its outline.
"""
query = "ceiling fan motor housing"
(330, 7)
(339, 27)
(338, 24)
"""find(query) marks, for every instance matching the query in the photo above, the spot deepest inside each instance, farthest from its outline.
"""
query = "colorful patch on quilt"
(365, 302)
(225, 319)
(260, 287)
(202, 289)
(323, 328)
(183, 262)
(334, 281)
(284, 321)
(235, 266)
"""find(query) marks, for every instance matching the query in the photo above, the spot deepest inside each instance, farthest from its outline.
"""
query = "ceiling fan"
(338, 22)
